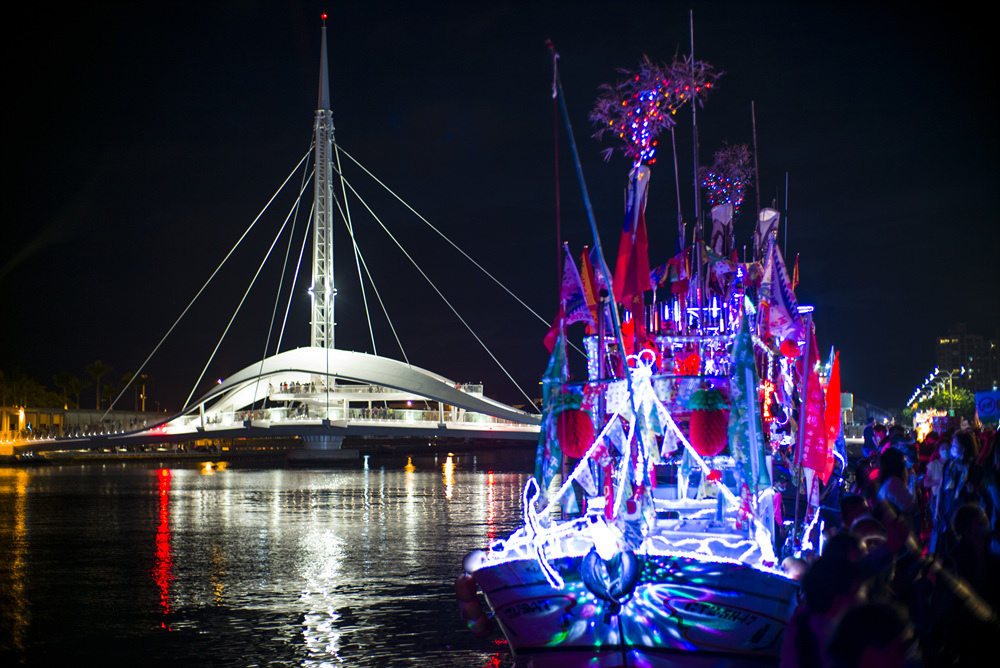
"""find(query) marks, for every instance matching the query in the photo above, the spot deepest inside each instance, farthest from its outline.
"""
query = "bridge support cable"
(239, 306)
(440, 294)
(293, 215)
(295, 278)
(210, 278)
(360, 259)
(442, 235)
(451, 243)
(345, 214)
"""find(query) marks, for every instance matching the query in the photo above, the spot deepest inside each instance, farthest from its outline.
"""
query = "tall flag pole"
(632, 264)
(745, 432)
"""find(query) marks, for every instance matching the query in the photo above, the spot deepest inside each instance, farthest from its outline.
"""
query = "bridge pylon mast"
(322, 291)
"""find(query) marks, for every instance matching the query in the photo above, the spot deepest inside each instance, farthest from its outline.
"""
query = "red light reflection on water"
(491, 513)
(494, 660)
(163, 570)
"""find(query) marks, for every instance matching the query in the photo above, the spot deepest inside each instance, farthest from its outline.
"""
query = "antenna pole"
(694, 126)
(786, 215)
(677, 188)
(699, 224)
(756, 166)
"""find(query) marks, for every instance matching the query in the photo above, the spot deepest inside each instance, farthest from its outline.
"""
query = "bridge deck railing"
(312, 388)
(374, 414)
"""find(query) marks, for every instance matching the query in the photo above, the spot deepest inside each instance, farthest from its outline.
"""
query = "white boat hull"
(684, 611)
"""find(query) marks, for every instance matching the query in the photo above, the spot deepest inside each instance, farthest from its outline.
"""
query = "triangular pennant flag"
(778, 304)
(548, 455)
(587, 481)
(746, 437)
(573, 303)
(572, 295)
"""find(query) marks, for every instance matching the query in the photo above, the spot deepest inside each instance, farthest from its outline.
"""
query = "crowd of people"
(909, 574)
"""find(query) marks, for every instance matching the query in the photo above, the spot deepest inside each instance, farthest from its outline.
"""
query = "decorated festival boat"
(653, 529)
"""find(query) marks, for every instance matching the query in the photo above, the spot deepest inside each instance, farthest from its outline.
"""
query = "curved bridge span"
(322, 395)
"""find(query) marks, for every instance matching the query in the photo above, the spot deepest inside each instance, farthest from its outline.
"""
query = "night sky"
(143, 138)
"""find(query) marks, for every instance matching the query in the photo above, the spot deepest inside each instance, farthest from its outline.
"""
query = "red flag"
(832, 416)
(815, 450)
(628, 336)
(795, 273)
(678, 273)
(833, 401)
(553, 334)
(632, 264)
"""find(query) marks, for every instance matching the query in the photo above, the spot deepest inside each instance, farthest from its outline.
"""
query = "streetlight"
(951, 394)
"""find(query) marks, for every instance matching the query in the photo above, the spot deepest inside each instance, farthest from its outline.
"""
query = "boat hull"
(684, 611)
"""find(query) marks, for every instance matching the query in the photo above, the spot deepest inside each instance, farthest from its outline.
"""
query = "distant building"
(979, 355)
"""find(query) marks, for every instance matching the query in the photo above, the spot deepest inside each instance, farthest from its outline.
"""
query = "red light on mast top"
(323, 16)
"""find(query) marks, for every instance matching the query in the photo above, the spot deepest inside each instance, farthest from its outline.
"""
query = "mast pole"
(785, 251)
(557, 92)
(756, 167)
(694, 127)
(677, 188)
(699, 224)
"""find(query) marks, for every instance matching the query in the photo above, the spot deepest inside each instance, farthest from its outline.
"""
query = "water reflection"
(13, 549)
(491, 510)
(163, 570)
(449, 476)
(273, 566)
(322, 554)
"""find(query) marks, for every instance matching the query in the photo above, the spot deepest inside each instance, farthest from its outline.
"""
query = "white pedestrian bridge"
(322, 395)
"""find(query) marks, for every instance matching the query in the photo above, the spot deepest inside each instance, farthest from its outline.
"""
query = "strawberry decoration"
(688, 366)
(709, 421)
(575, 431)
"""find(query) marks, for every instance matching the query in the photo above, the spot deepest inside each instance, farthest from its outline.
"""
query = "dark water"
(133, 565)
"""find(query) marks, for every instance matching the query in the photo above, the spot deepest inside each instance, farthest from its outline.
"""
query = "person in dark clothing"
(872, 635)
(869, 446)
(831, 588)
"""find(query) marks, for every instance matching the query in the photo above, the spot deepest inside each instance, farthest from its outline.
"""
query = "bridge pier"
(320, 449)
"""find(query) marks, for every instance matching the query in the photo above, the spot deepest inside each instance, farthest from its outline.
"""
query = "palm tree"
(108, 393)
(75, 386)
(96, 370)
(17, 387)
(62, 381)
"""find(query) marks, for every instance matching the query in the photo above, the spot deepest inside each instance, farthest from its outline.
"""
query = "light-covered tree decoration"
(642, 104)
(726, 181)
